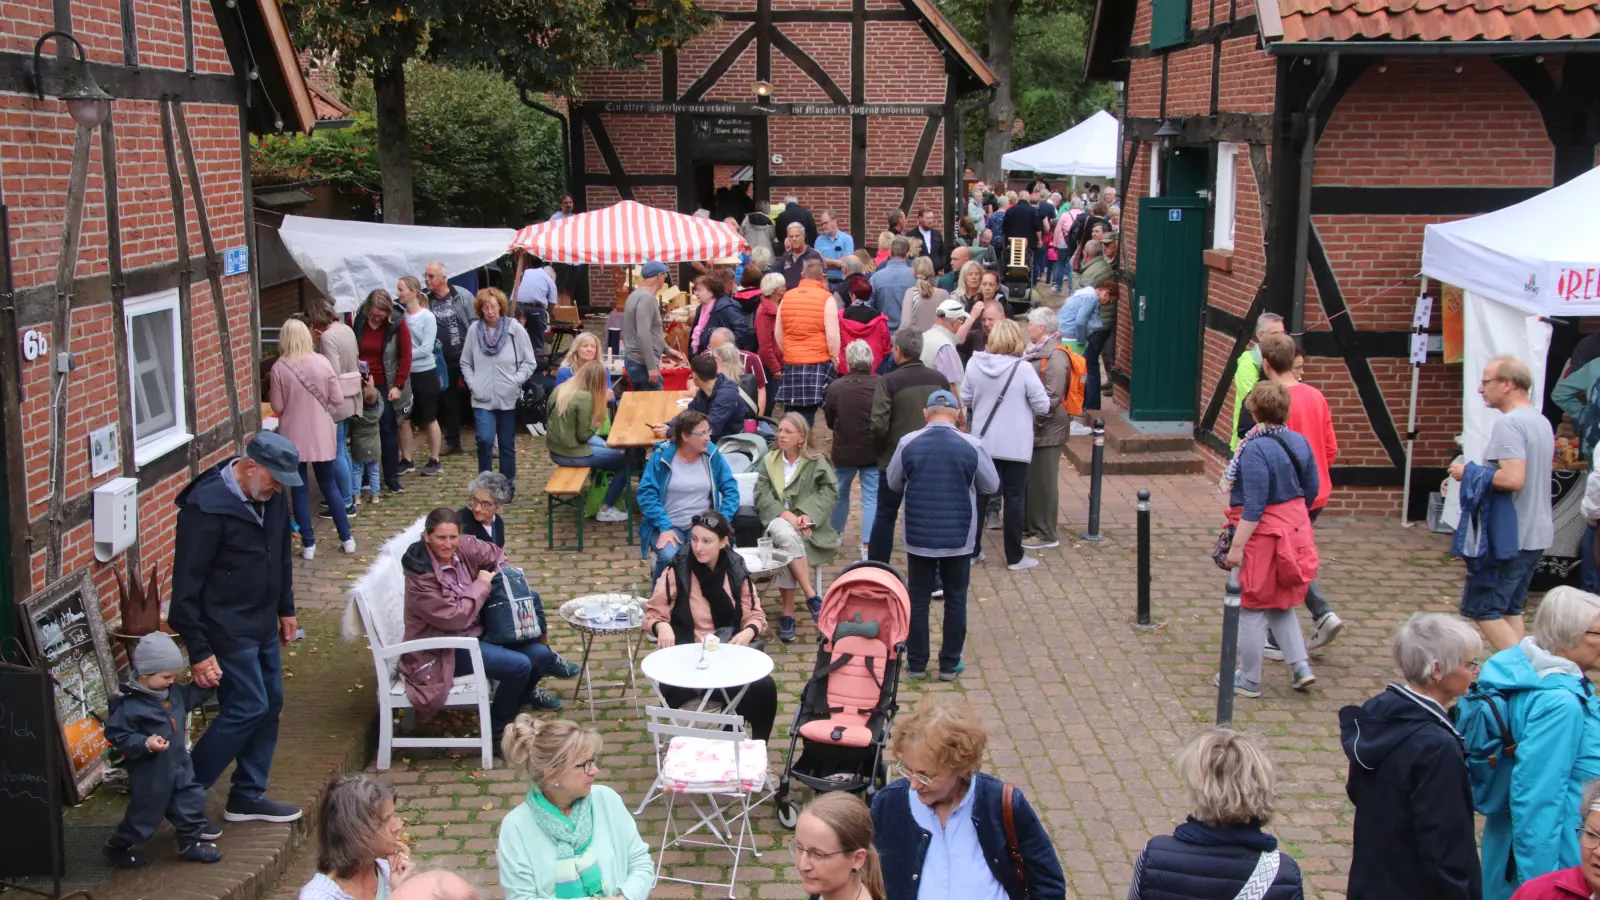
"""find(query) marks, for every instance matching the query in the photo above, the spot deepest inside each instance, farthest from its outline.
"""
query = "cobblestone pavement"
(1087, 714)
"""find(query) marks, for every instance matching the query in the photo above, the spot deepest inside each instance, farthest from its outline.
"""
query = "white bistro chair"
(721, 774)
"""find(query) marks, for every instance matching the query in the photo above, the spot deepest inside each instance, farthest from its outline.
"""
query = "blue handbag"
(512, 614)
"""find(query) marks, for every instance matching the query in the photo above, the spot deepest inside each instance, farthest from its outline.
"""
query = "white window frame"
(149, 448)
(1225, 196)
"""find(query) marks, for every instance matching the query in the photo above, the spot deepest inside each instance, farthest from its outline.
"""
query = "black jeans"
(389, 440)
(880, 545)
(922, 572)
(1014, 489)
(454, 402)
(759, 705)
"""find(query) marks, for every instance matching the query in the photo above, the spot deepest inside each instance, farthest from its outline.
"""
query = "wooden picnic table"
(637, 411)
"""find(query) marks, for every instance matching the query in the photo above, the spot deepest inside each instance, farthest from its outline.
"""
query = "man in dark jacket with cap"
(1414, 834)
(233, 604)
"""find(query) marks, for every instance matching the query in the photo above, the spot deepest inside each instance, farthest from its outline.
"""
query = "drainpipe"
(988, 97)
(566, 154)
(1302, 225)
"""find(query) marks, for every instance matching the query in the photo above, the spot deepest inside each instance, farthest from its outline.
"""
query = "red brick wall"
(36, 141)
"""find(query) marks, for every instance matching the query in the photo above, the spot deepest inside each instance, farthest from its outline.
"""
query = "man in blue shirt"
(832, 244)
(891, 281)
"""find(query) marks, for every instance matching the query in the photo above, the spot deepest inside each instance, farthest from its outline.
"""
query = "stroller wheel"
(788, 814)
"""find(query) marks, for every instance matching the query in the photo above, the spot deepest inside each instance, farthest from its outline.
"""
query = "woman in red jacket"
(861, 321)
(773, 286)
(1581, 882)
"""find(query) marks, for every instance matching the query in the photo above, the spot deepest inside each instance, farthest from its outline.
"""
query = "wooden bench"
(567, 487)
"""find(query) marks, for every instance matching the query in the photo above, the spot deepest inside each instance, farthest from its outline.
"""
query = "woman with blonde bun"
(570, 837)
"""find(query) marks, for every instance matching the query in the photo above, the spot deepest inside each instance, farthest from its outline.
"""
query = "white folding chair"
(709, 760)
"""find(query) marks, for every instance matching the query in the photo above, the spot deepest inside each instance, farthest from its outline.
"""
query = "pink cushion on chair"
(704, 765)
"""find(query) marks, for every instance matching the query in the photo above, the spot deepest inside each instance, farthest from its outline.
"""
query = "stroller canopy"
(877, 594)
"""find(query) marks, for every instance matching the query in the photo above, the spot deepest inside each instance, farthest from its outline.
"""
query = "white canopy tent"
(1517, 266)
(347, 260)
(1088, 148)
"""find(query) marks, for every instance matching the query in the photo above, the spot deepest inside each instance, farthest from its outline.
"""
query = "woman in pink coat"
(305, 395)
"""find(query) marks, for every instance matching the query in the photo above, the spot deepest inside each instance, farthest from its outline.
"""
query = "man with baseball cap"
(643, 338)
(939, 470)
(233, 605)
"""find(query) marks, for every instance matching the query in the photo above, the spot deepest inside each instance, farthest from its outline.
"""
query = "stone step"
(1080, 453)
(1124, 436)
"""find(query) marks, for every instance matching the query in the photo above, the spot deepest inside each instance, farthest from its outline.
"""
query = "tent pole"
(1411, 423)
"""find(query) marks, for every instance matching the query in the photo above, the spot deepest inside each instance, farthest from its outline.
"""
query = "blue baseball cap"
(652, 268)
(942, 400)
(276, 454)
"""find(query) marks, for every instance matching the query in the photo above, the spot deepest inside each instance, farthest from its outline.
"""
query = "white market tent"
(1088, 148)
(347, 260)
(1516, 267)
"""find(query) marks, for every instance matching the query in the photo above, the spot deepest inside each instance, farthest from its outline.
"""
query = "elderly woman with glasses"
(1581, 882)
(707, 591)
(1555, 719)
(487, 495)
(940, 826)
(684, 476)
(570, 837)
(1414, 830)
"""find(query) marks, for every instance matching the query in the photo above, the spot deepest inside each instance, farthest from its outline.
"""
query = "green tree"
(479, 157)
(539, 45)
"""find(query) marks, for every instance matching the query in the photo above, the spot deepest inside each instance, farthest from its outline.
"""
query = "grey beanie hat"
(156, 652)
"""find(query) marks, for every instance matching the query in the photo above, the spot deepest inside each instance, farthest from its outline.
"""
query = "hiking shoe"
(124, 857)
(814, 603)
(259, 810)
(951, 674)
(1240, 687)
(564, 669)
(200, 852)
(786, 630)
(1303, 679)
(406, 467)
(1039, 543)
(432, 468)
(610, 514)
(543, 699)
(1328, 628)
(1027, 562)
(210, 831)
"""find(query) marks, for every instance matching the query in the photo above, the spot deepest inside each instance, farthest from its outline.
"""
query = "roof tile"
(1439, 20)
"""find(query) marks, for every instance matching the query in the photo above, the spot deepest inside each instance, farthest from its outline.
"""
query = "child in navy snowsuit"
(147, 726)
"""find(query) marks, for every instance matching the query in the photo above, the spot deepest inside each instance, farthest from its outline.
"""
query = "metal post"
(1096, 470)
(1230, 650)
(1142, 620)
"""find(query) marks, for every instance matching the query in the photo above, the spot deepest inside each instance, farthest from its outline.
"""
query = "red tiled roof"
(1439, 20)
(323, 102)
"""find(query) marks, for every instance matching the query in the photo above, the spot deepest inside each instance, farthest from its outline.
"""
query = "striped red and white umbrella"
(629, 233)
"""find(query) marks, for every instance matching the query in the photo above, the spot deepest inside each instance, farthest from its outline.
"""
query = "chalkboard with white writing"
(30, 804)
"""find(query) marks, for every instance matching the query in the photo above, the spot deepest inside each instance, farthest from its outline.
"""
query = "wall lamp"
(86, 101)
(763, 89)
(1168, 133)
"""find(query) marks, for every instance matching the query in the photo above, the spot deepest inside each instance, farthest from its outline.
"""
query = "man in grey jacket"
(451, 306)
(644, 341)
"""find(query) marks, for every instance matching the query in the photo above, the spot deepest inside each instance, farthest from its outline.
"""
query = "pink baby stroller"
(847, 708)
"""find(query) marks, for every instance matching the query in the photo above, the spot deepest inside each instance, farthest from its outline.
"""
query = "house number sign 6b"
(34, 345)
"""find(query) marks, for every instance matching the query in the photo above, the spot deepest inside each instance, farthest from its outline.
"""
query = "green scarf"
(577, 868)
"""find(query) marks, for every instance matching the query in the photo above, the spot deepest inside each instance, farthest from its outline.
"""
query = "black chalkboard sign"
(30, 801)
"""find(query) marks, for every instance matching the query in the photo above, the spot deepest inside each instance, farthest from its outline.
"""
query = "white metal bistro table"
(758, 569)
(729, 667)
(620, 614)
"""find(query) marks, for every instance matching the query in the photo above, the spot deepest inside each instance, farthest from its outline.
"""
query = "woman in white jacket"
(497, 359)
(1002, 394)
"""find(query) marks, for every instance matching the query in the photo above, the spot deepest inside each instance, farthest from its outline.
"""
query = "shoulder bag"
(330, 407)
(512, 614)
(1013, 847)
(1219, 553)
(1261, 878)
(1000, 399)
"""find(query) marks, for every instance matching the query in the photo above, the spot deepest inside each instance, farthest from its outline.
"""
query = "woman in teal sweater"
(570, 837)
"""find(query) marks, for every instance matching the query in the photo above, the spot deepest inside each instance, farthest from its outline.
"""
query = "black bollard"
(1230, 650)
(1142, 620)
(1096, 470)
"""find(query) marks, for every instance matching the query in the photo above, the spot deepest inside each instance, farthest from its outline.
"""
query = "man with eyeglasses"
(1517, 463)
(833, 245)
(452, 308)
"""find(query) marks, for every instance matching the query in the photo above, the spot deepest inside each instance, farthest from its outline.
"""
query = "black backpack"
(532, 407)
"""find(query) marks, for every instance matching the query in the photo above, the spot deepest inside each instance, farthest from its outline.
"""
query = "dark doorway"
(1188, 172)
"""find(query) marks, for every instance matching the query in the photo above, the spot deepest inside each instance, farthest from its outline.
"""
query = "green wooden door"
(1166, 307)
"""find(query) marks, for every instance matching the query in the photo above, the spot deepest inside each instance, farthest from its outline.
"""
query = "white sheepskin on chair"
(383, 586)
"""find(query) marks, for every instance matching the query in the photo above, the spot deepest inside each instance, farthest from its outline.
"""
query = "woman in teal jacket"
(667, 504)
(570, 837)
(1555, 719)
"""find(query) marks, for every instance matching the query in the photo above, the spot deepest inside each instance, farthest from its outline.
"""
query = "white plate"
(683, 403)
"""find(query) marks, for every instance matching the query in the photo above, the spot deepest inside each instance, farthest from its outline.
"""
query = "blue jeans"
(639, 376)
(493, 425)
(666, 555)
(343, 472)
(881, 543)
(869, 498)
(330, 491)
(1061, 269)
(600, 457)
(246, 728)
(516, 669)
(367, 477)
(922, 572)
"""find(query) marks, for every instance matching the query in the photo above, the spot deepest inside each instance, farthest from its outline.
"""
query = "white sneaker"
(1327, 629)
(863, 552)
(610, 514)
(1027, 562)
(1078, 429)
(531, 430)
(538, 428)
(1039, 544)
(308, 552)
(348, 546)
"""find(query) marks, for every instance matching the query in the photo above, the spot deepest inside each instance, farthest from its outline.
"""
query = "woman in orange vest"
(808, 338)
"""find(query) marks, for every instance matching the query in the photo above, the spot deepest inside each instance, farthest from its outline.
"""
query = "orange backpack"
(1077, 380)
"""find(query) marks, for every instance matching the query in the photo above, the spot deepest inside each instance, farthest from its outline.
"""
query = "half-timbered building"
(128, 295)
(1285, 156)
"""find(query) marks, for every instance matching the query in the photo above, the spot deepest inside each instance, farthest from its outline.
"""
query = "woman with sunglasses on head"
(941, 825)
(570, 837)
(832, 849)
(684, 476)
(706, 591)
